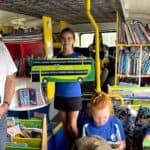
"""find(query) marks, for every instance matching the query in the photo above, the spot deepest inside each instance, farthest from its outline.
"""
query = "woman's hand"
(3, 109)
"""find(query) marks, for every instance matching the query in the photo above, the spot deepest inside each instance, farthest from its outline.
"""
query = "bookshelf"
(132, 53)
(22, 53)
(26, 83)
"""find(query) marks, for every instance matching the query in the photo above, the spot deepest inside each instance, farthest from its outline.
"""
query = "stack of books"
(27, 97)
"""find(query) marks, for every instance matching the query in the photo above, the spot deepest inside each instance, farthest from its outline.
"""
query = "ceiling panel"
(72, 11)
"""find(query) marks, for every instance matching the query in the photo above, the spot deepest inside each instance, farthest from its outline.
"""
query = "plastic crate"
(33, 143)
(21, 148)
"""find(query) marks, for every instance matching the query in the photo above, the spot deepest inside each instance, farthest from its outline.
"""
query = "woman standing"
(68, 94)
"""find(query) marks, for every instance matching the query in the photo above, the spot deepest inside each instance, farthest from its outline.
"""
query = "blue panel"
(57, 142)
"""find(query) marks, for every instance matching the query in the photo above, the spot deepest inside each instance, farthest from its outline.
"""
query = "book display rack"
(28, 95)
(132, 53)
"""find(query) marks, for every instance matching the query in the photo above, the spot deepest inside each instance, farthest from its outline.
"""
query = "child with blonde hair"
(103, 123)
(91, 143)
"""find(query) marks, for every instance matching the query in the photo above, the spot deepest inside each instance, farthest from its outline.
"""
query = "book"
(126, 61)
(146, 67)
(131, 33)
(138, 41)
(120, 65)
(128, 35)
(23, 97)
(14, 144)
(33, 96)
(27, 96)
(12, 131)
(139, 32)
(144, 31)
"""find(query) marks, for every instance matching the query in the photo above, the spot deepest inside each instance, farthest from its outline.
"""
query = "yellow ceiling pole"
(97, 58)
(48, 40)
(63, 24)
(48, 47)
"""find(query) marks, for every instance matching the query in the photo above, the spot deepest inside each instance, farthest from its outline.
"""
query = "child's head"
(91, 143)
(101, 108)
(67, 37)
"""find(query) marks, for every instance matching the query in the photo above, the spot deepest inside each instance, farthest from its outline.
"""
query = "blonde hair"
(100, 101)
(92, 142)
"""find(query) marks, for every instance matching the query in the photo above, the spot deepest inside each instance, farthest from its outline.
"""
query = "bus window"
(86, 39)
(109, 38)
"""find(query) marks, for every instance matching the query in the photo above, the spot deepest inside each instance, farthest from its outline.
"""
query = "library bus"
(116, 34)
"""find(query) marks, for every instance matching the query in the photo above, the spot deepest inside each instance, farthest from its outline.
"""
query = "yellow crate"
(32, 142)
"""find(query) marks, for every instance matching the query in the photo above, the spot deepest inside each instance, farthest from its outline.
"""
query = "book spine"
(33, 96)
(145, 32)
(129, 40)
(138, 41)
(126, 62)
(146, 67)
(139, 31)
(131, 33)
(120, 65)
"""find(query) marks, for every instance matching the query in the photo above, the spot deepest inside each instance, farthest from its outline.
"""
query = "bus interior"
(19, 18)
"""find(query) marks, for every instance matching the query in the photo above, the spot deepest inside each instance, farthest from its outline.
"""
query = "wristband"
(5, 102)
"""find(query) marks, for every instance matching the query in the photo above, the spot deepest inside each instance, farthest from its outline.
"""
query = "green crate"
(33, 143)
(21, 148)
(30, 123)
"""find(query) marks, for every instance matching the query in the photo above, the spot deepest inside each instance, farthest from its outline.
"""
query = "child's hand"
(82, 56)
(122, 145)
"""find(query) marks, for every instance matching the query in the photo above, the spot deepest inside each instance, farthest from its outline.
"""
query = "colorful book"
(131, 33)
(126, 61)
(27, 97)
(128, 35)
(146, 67)
(144, 31)
(33, 96)
(120, 65)
(139, 32)
(138, 41)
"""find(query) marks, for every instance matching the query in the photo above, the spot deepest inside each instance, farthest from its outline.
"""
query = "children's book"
(126, 61)
(24, 98)
(120, 65)
(139, 31)
(146, 67)
(27, 96)
(33, 96)
(128, 35)
(145, 31)
(131, 33)
(138, 41)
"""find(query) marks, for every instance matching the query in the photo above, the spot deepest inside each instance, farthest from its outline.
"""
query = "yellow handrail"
(112, 95)
(97, 60)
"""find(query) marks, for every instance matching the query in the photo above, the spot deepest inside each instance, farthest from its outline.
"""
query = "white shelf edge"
(27, 108)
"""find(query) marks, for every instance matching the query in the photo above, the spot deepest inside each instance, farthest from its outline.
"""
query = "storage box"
(21, 148)
(33, 143)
